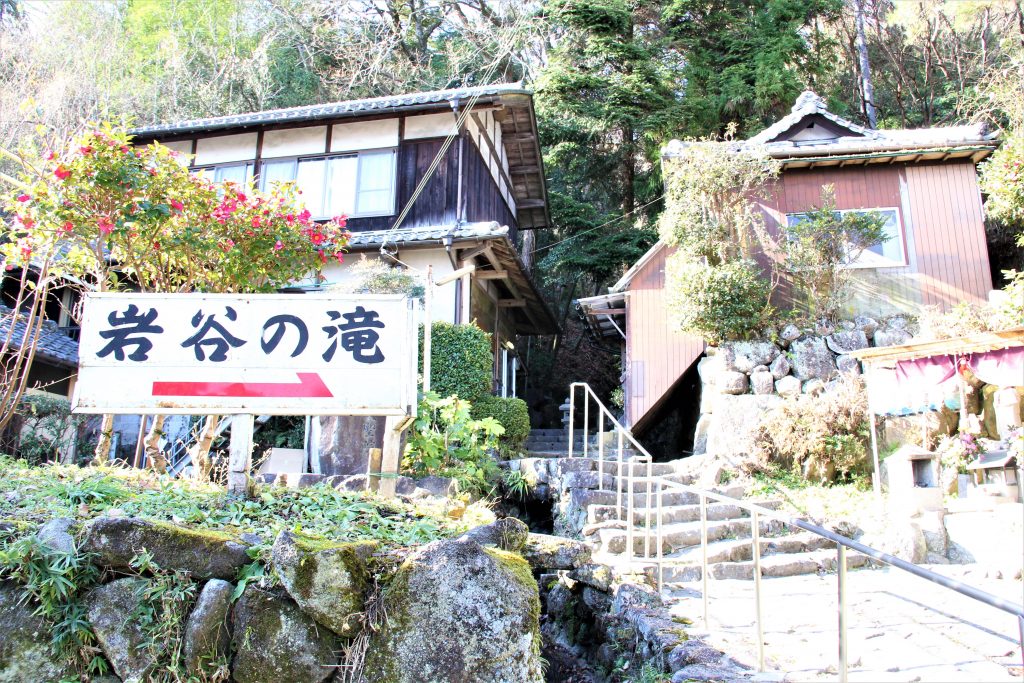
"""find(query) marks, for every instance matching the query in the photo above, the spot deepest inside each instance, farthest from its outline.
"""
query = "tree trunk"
(102, 454)
(200, 452)
(154, 456)
(867, 88)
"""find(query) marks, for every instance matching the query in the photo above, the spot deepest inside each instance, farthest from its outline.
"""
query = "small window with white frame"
(240, 173)
(890, 253)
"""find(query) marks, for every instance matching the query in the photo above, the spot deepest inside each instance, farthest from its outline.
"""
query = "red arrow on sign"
(309, 386)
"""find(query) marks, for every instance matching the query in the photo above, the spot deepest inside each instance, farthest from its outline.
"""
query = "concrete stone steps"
(672, 514)
(611, 537)
(611, 482)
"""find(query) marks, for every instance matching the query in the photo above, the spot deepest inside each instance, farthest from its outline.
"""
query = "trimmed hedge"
(461, 361)
(511, 413)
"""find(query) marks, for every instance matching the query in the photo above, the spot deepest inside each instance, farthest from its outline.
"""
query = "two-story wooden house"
(924, 182)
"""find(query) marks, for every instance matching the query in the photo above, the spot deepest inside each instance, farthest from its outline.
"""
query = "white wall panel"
(429, 125)
(184, 150)
(226, 148)
(352, 137)
(294, 141)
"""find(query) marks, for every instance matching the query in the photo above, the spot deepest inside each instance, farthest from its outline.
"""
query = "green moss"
(520, 569)
(204, 536)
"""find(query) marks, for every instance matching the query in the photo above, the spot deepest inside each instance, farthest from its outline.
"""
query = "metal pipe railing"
(660, 484)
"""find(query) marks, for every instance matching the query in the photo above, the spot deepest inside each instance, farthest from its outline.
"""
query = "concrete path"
(901, 628)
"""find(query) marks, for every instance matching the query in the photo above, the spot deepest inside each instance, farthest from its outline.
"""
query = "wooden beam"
(492, 275)
(511, 303)
(519, 137)
(524, 170)
(530, 204)
(486, 135)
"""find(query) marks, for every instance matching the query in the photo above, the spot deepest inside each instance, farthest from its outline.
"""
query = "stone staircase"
(597, 512)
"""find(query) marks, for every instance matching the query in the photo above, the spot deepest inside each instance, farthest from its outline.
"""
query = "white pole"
(240, 454)
(427, 324)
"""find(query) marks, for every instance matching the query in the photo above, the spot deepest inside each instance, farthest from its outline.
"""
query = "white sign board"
(265, 354)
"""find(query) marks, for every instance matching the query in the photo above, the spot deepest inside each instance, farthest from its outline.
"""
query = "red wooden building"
(923, 181)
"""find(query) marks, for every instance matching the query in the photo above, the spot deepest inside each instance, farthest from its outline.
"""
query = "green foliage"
(56, 581)
(48, 428)
(719, 303)
(511, 413)
(515, 484)
(745, 62)
(280, 431)
(461, 361)
(817, 250)
(821, 438)
(373, 276)
(447, 441)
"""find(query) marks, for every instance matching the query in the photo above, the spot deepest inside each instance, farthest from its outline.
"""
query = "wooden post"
(427, 327)
(373, 470)
(466, 299)
(391, 459)
(240, 454)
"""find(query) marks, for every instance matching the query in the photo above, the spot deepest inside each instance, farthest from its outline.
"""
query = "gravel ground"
(901, 628)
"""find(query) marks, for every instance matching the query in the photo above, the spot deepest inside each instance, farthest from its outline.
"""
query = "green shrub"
(461, 361)
(48, 429)
(511, 413)
(822, 438)
(720, 303)
(446, 441)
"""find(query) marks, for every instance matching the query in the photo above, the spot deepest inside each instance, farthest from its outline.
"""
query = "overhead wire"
(603, 225)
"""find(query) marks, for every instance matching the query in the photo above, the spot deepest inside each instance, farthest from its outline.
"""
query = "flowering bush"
(138, 210)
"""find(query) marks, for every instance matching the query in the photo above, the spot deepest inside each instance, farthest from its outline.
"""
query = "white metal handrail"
(756, 512)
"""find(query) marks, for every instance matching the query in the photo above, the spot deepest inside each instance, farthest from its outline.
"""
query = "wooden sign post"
(240, 454)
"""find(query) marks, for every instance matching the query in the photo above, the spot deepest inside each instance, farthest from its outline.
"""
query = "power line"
(603, 225)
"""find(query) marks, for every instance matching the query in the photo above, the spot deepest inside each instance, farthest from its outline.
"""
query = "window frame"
(900, 235)
(296, 159)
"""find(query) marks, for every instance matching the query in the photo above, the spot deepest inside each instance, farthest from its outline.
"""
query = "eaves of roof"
(53, 346)
(333, 110)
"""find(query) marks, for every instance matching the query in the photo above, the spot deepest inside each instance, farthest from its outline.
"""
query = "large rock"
(118, 633)
(762, 383)
(848, 365)
(847, 341)
(891, 337)
(207, 638)
(458, 613)
(327, 580)
(901, 538)
(25, 647)
(58, 534)
(555, 552)
(205, 554)
(275, 641)
(507, 533)
(731, 436)
(731, 382)
(812, 359)
(780, 367)
(934, 424)
(790, 333)
(745, 356)
(866, 325)
(701, 431)
(788, 386)
(345, 443)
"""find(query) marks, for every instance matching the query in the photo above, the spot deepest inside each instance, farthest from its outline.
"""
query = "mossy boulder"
(207, 638)
(555, 552)
(120, 636)
(24, 650)
(327, 580)
(275, 641)
(458, 613)
(507, 533)
(205, 554)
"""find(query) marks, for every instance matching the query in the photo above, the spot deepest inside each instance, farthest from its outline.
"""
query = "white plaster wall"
(429, 125)
(184, 150)
(226, 148)
(294, 141)
(353, 137)
(443, 303)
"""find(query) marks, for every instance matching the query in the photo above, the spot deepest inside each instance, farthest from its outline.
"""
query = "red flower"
(304, 216)
(256, 222)
(105, 225)
(26, 222)
(61, 172)
(50, 156)
(241, 197)
(68, 226)
(340, 256)
(176, 205)
(23, 197)
(85, 149)
(316, 237)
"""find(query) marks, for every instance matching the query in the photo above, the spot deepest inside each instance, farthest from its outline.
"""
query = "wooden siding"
(939, 207)
(950, 248)
(656, 356)
(484, 201)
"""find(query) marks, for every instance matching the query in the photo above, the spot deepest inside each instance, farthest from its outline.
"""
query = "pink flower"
(23, 197)
(50, 156)
(316, 238)
(278, 246)
(26, 222)
(256, 222)
(105, 226)
(304, 216)
(241, 197)
(61, 172)
(85, 149)
(68, 226)
(176, 205)
(340, 256)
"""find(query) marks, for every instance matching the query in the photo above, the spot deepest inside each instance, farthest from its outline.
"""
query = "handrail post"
(647, 513)
(586, 421)
(704, 554)
(618, 483)
(661, 557)
(756, 527)
(629, 518)
(600, 451)
(572, 415)
(841, 574)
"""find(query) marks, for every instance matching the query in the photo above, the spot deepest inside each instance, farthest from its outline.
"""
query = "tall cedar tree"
(746, 62)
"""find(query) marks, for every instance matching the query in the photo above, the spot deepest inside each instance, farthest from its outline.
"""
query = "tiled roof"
(427, 233)
(53, 344)
(861, 140)
(333, 110)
